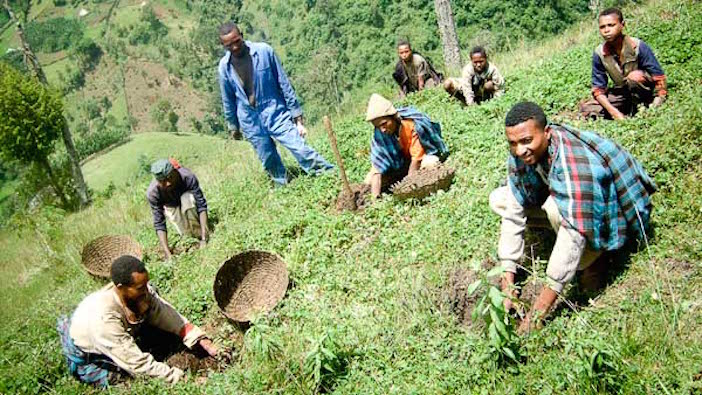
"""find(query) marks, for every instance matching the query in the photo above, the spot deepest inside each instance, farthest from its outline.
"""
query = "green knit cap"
(161, 169)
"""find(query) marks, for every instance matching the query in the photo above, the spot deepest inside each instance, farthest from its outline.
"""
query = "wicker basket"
(250, 282)
(423, 183)
(98, 255)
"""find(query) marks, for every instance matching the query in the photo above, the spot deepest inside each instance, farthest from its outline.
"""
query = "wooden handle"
(332, 140)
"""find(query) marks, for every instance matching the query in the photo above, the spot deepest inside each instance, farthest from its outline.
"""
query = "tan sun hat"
(378, 107)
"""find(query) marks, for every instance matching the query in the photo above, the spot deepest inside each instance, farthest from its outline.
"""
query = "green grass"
(375, 282)
(124, 160)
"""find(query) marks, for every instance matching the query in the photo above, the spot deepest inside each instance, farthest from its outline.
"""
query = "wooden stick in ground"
(332, 140)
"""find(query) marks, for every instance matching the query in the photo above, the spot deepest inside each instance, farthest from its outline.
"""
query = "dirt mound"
(197, 361)
(361, 194)
(456, 292)
(423, 183)
(460, 303)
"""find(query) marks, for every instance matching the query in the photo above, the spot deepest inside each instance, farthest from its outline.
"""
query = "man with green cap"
(404, 141)
(175, 194)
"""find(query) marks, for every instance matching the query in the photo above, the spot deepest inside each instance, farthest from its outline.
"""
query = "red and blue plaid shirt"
(600, 189)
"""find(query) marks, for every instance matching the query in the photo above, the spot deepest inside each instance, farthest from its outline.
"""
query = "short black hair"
(402, 42)
(123, 267)
(228, 27)
(612, 11)
(524, 111)
(478, 49)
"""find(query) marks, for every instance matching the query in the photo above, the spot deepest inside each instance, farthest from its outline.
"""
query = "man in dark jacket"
(175, 194)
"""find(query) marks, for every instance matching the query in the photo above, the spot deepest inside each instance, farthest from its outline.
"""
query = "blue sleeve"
(285, 87)
(193, 186)
(648, 61)
(156, 210)
(228, 98)
(599, 74)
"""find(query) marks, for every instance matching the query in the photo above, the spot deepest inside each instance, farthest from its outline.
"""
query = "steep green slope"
(372, 288)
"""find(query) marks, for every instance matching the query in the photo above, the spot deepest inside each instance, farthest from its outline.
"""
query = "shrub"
(53, 35)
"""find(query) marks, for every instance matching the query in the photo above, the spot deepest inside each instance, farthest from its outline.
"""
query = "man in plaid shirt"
(591, 191)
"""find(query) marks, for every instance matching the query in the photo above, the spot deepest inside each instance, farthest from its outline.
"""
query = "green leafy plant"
(499, 328)
(323, 364)
(260, 340)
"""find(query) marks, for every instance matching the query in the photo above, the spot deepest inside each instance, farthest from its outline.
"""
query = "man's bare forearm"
(414, 166)
(604, 102)
(204, 235)
(163, 240)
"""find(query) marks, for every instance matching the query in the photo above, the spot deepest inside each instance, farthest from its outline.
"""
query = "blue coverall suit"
(272, 117)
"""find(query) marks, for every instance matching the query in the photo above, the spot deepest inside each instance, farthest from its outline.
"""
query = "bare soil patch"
(198, 361)
(455, 292)
(147, 83)
(361, 195)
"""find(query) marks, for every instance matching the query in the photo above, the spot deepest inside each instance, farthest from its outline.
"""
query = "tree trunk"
(449, 38)
(76, 172)
(53, 182)
(32, 62)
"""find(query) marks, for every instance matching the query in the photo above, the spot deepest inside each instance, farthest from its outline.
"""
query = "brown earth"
(423, 183)
(455, 293)
(147, 83)
(198, 361)
(361, 194)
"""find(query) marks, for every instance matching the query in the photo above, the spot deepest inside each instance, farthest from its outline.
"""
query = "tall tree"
(33, 64)
(449, 38)
(32, 119)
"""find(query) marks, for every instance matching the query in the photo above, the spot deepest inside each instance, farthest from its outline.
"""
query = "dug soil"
(361, 195)
(198, 361)
(423, 183)
(456, 293)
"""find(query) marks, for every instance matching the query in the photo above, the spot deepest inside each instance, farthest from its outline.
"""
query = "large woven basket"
(98, 255)
(423, 183)
(249, 283)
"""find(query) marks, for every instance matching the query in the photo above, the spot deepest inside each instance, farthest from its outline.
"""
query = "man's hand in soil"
(509, 290)
(541, 306)
(208, 346)
(657, 101)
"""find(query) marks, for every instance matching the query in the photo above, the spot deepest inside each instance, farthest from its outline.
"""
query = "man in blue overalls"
(260, 103)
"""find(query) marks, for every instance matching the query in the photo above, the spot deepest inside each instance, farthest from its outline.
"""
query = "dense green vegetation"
(369, 311)
(54, 34)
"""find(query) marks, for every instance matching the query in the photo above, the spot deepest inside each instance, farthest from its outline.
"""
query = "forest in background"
(336, 52)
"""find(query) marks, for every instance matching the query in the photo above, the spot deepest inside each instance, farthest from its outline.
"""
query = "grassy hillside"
(374, 289)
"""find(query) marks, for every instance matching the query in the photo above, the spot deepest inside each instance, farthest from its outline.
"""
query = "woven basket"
(423, 183)
(98, 255)
(250, 282)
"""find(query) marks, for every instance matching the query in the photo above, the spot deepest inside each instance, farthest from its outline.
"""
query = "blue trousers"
(310, 161)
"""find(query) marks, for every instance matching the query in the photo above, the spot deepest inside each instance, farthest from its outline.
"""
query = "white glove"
(301, 129)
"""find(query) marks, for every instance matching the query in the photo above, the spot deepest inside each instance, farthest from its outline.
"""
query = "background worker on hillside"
(592, 192)
(404, 141)
(260, 103)
(175, 194)
(631, 65)
(98, 339)
(480, 80)
(412, 72)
